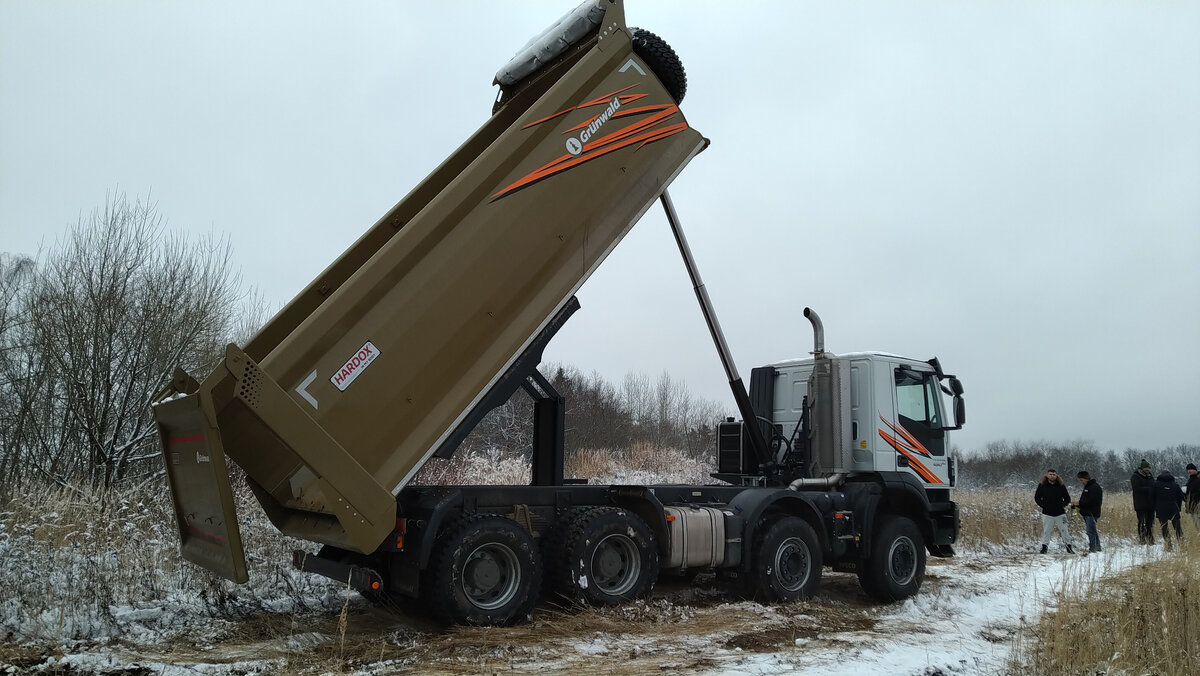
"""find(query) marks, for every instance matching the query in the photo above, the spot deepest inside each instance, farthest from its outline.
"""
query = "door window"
(919, 406)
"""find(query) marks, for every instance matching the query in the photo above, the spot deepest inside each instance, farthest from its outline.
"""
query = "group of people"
(1160, 498)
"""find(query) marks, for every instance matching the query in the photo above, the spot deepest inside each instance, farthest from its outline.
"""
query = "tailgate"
(200, 488)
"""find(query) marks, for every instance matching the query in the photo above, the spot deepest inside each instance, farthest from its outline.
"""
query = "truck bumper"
(944, 516)
(363, 579)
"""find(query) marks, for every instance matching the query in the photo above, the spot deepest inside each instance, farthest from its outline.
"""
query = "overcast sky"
(1013, 187)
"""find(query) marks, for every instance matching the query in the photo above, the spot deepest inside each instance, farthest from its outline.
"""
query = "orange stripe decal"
(625, 100)
(599, 101)
(911, 441)
(913, 462)
(639, 134)
(908, 446)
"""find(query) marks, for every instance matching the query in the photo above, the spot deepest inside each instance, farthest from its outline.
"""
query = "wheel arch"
(441, 512)
(896, 493)
(760, 506)
(642, 502)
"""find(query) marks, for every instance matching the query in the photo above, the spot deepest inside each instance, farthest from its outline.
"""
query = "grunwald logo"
(575, 145)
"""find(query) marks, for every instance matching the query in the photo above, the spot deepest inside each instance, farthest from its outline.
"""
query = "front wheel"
(895, 566)
(787, 562)
(486, 570)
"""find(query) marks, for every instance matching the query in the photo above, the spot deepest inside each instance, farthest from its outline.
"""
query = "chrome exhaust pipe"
(827, 482)
(818, 330)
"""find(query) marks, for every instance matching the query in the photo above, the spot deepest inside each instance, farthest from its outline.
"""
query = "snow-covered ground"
(968, 624)
(968, 618)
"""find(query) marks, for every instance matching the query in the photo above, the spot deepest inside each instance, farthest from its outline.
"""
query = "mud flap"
(200, 489)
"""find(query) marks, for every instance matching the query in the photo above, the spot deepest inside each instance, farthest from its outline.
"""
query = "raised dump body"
(338, 401)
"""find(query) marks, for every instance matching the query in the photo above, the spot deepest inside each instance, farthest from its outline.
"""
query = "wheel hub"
(792, 563)
(615, 564)
(490, 576)
(902, 561)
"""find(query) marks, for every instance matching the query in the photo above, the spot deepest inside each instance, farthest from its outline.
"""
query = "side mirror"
(956, 388)
(960, 413)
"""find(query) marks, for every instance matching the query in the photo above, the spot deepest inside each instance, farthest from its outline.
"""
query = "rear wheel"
(485, 570)
(608, 556)
(895, 566)
(787, 562)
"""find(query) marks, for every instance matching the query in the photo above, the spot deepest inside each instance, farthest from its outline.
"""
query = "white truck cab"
(894, 407)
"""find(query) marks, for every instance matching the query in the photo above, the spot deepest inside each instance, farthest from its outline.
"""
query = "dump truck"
(441, 311)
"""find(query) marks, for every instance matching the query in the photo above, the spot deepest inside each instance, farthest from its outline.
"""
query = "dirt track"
(683, 628)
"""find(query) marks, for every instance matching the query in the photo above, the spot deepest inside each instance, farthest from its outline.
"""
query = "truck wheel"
(895, 566)
(485, 570)
(787, 562)
(662, 60)
(609, 556)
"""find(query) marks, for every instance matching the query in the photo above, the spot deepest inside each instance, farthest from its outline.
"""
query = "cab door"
(916, 432)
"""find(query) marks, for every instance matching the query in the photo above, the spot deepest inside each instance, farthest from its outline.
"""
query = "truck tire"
(609, 556)
(787, 562)
(662, 60)
(485, 570)
(895, 566)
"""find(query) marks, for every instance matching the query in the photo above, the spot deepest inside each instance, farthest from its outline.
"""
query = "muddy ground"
(697, 627)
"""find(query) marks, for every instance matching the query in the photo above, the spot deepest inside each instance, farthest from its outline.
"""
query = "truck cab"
(896, 413)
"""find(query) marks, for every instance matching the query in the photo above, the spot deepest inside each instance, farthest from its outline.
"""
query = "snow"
(966, 620)
(966, 627)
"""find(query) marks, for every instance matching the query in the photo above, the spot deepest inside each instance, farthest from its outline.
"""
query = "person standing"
(1167, 499)
(1143, 501)
(1193, 494)
(1088, 505)
(1053, 498)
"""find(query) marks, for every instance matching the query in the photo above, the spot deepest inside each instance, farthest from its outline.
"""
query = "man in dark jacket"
(1167, 499)
(1053, 498)
(1089, 508)
(1143, 502)
(1193, 494)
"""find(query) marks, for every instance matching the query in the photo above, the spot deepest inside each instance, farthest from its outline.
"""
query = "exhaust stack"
(829, 410)
(818, 330)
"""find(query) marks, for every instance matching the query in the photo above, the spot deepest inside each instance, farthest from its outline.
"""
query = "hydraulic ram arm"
(757, 442)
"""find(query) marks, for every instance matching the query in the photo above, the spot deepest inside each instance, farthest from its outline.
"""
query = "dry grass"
(1004, 516)
(488, 468)
(1143, 620)
(642, 463)
(88, 565)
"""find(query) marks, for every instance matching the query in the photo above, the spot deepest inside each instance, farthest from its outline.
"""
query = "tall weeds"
(994, 517)
(1145, 619)
(86, 564)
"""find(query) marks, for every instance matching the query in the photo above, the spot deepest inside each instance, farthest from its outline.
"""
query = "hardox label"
(354, 366)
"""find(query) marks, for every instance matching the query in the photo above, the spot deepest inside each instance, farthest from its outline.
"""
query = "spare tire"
(662, 60)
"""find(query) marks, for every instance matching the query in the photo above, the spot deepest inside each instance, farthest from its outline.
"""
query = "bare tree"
(637, 399)
(115, 306)
(17, 373)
